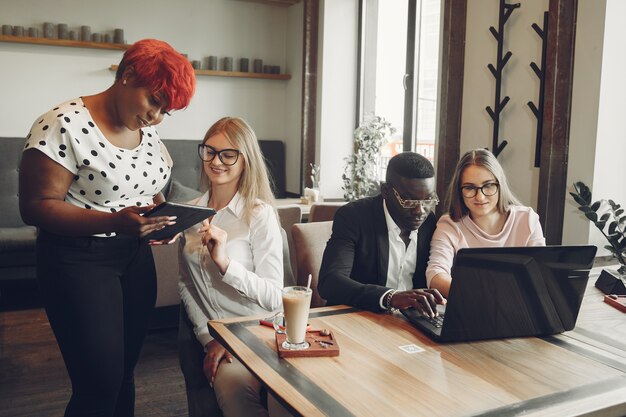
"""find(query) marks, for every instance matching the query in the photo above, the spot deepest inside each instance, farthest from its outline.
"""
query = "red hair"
(158, 66)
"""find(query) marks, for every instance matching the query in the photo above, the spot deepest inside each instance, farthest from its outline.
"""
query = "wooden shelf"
(235, 74)
(283, 3)
(63, 42)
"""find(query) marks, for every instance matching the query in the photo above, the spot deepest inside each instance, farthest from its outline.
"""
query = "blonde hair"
(455, 206)
(254, 183)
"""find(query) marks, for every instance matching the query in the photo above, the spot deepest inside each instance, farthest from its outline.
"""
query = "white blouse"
(254, 278)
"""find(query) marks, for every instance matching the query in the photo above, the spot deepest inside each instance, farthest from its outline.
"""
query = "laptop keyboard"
(437, 321)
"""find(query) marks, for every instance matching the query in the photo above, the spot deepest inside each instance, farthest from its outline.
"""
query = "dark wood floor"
(33, 380)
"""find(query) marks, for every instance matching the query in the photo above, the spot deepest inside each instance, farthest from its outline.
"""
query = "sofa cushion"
(10, 157)
(187, 164)
(178, 193)
(17, 249)
(17, 239)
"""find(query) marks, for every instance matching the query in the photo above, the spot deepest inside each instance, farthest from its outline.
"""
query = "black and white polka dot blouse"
(106, 178)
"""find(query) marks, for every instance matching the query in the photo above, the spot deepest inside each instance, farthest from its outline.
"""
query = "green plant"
(360, 176)
(612, 218)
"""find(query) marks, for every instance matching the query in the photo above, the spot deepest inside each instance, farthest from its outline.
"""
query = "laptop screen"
(516, 291)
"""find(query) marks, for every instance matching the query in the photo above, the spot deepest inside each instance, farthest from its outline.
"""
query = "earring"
(124, 82)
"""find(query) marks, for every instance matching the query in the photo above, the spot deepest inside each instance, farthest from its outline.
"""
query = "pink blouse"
(521, 228)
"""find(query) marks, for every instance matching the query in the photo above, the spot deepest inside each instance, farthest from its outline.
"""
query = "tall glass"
(296, 303)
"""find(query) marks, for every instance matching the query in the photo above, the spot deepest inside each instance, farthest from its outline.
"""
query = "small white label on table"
(411, 348)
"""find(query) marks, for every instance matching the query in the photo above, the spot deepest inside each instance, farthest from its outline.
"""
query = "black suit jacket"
(356, 258)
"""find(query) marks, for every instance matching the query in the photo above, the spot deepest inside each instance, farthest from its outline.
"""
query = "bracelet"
(387, 301)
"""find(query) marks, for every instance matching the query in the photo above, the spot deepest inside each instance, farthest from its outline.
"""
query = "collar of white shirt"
(402, 258)
(235, 205)
(393, 228)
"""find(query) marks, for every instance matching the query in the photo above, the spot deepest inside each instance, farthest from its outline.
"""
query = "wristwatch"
(387, 301)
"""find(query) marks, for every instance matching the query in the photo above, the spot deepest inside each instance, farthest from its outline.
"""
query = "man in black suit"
(376, 257)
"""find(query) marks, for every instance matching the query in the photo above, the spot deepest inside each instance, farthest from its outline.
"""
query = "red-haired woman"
(90, 167)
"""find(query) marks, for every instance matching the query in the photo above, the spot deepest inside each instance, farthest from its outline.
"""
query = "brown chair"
(289, 215)
(288, 277)
(310, 241)
(323, 212)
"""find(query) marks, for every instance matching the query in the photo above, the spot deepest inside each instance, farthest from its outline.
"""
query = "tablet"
(186, 216)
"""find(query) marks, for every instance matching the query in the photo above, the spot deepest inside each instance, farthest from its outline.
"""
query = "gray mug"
(62, 27)
(48, 30)
(7, 30)
(18, 31)
(244, 65)
(258, 65)
(85, 33)
(228, 63)
(118, 35)
(213, 63)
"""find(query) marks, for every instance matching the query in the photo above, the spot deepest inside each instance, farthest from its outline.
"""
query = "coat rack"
(505, 12)
(540, 72)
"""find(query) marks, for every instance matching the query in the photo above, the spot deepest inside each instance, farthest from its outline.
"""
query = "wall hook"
(499, 103)
(540, 72)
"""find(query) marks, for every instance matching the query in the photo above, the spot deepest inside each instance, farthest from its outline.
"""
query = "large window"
(399, 70)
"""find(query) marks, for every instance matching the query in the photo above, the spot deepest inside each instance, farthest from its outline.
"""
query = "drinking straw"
(308, 284)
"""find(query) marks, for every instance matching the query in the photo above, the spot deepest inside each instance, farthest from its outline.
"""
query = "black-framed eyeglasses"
(228, 156)
(488, 189)
(426, 205)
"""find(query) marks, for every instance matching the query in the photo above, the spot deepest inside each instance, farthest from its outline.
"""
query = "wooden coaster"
(320, 345)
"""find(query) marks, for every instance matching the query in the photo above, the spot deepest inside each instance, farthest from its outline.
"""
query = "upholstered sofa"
(17, 240)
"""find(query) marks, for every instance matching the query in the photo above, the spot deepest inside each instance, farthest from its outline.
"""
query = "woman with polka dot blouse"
(90, 167)
(231, 266)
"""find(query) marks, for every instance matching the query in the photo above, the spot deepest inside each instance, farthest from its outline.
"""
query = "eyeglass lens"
(425, 204)
(489, 189)
(227, 156)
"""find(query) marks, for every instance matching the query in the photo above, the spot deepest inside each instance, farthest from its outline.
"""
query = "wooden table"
(583, 371)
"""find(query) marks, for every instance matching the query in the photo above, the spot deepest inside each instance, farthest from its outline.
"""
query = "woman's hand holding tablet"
(186, 216)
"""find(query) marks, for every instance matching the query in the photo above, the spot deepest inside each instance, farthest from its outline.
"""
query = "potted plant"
(360, 177)
(609, 218)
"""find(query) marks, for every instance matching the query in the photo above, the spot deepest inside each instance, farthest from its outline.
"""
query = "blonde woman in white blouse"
(230, 265)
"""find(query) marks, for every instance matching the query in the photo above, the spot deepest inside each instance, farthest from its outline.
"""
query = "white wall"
(336, 91)
(584, 117)
(610, 169)
(293, 113)
(517, 123)
(34, 78)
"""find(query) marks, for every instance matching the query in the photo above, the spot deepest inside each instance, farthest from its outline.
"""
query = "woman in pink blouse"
(482, 212)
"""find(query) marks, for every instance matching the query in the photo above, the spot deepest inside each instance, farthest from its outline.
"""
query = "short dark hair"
(409, 165)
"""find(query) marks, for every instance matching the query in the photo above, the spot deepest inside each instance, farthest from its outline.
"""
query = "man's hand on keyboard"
(423, 300)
